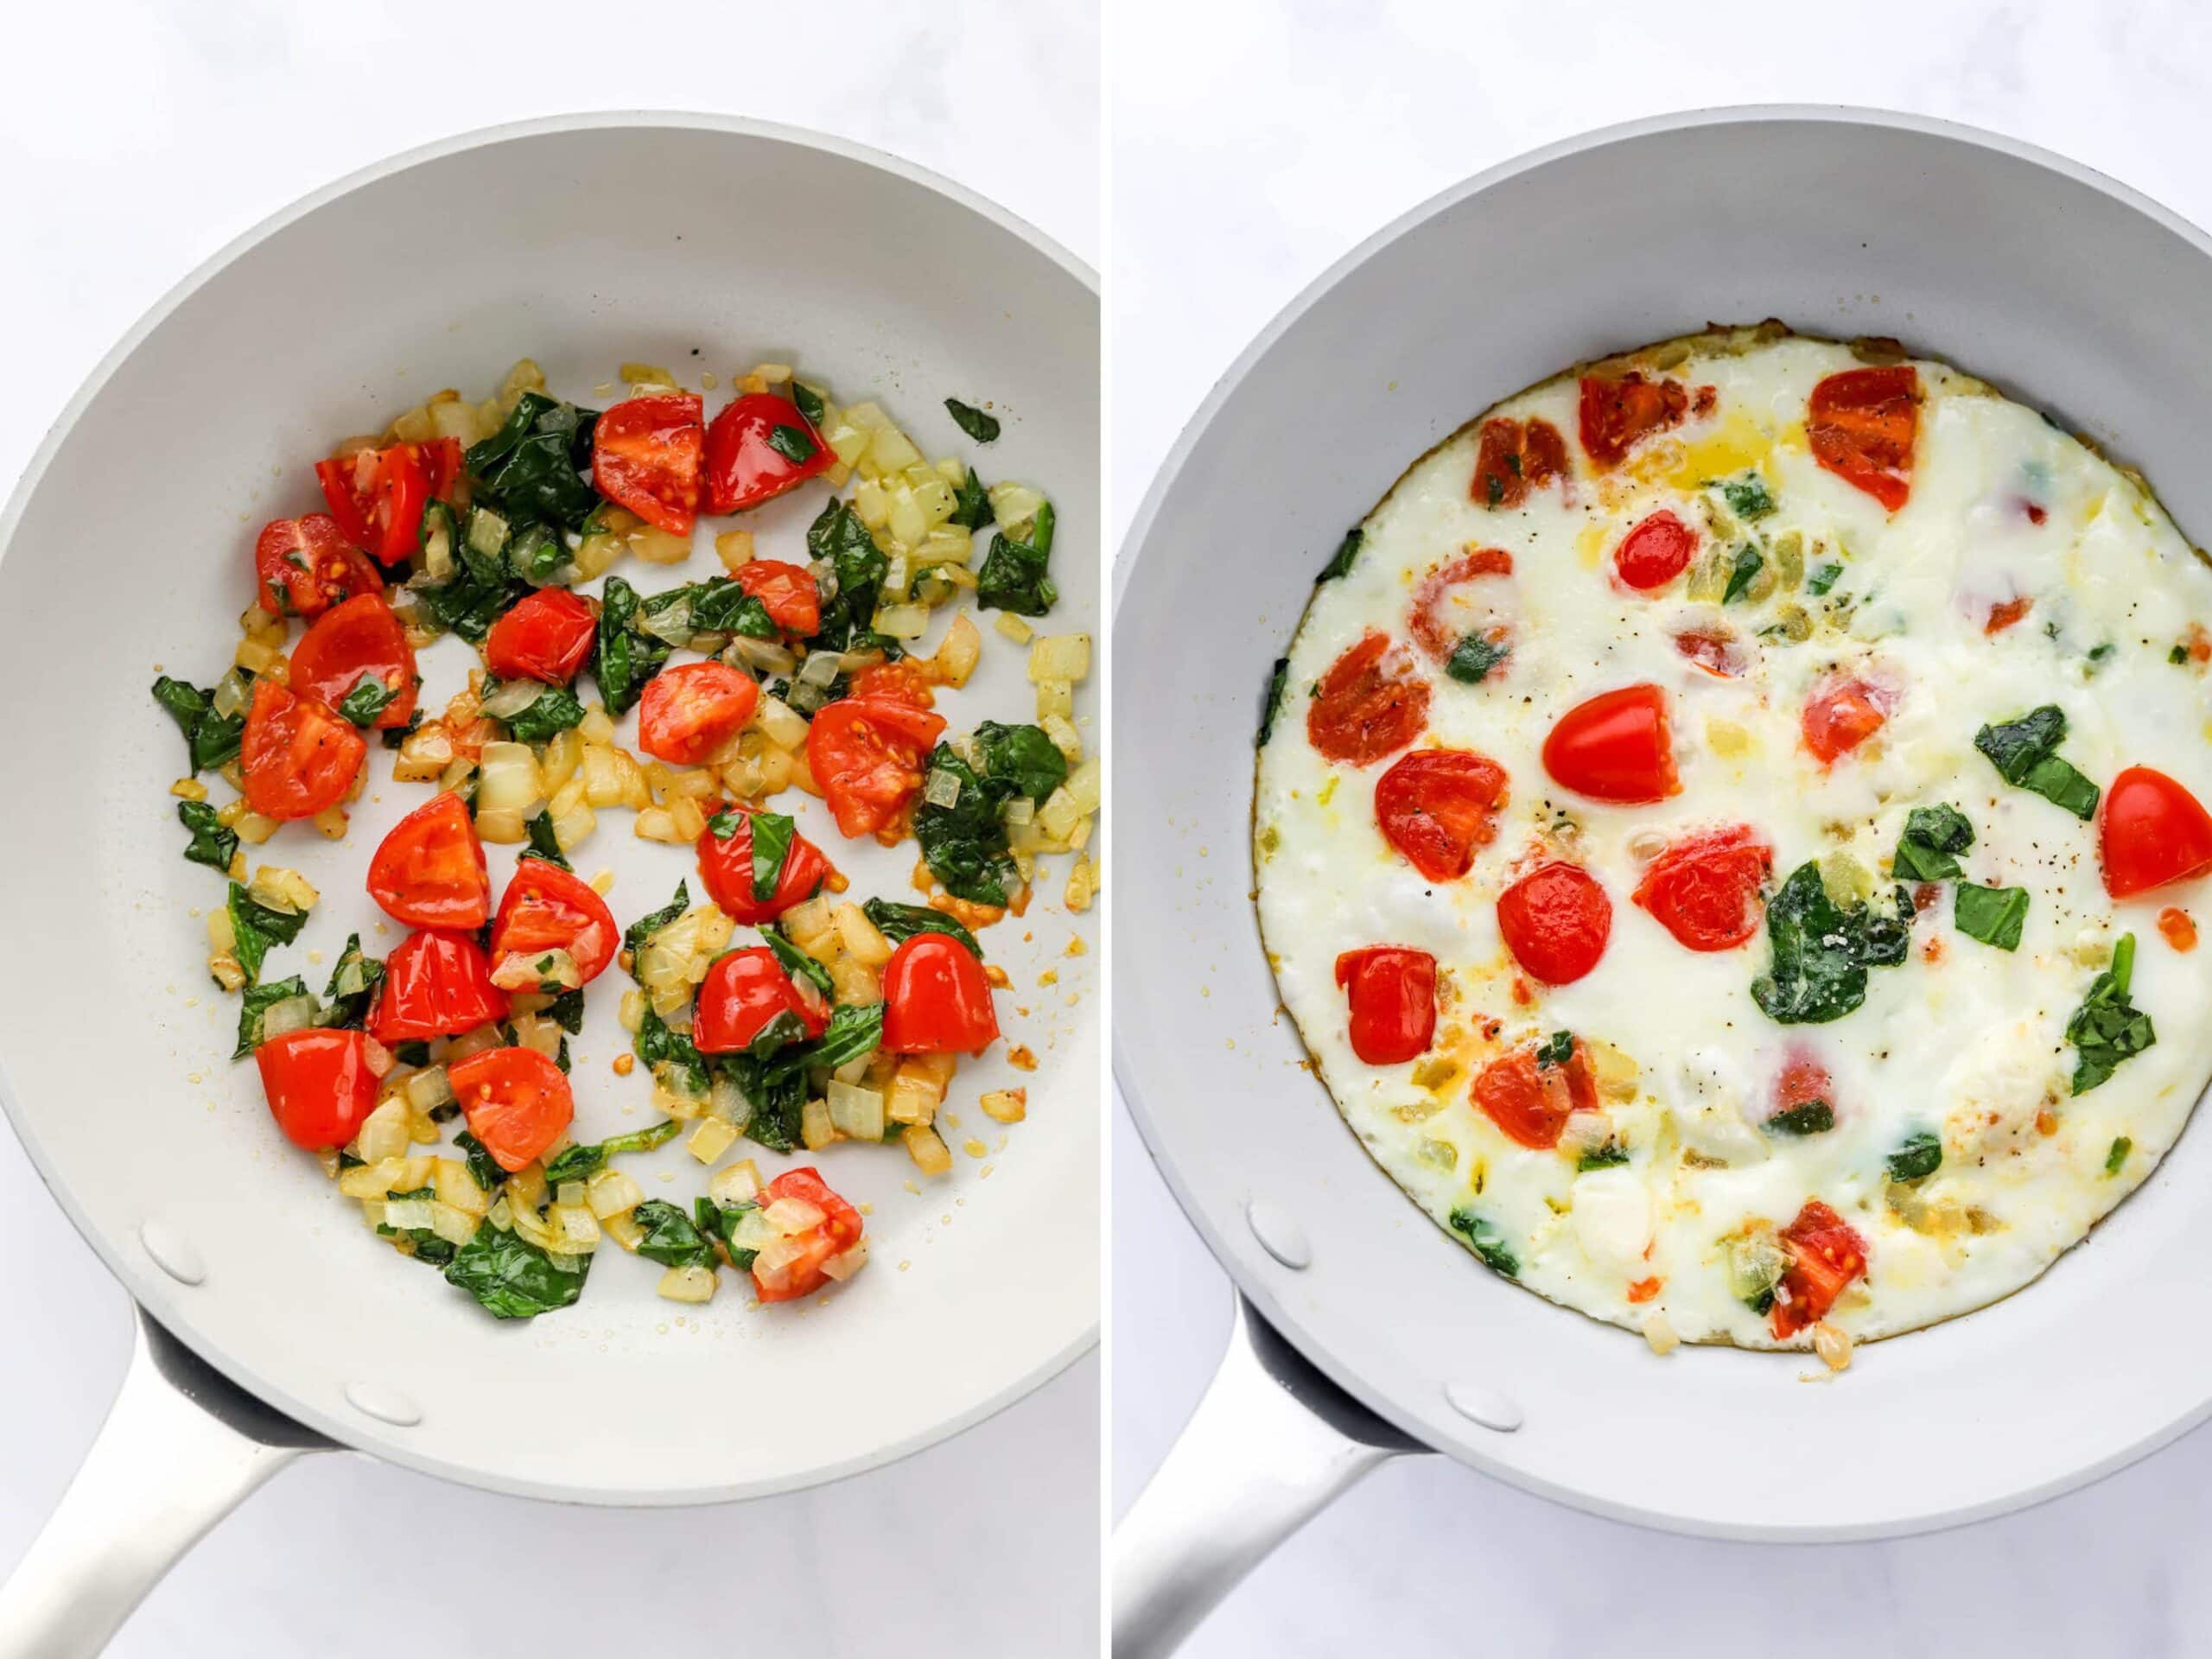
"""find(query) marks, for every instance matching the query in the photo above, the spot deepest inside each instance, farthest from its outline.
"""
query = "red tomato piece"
(1861, 425)
(2176, 929)
(1437, 805)
(1556, 920)
(789, 591)
(1392, 992)
(517, 1103)
(298, 757)
(645, 455)
(1716, 651)
(1840, 715)
(1825, 1255)
(750, 449)
(318, 1085)
(429, 872)
(357, 641)
(547, 908)
(1617, 414)
(2004, 614)
(2153, 832)
(1371, 704)
(435, 984)
(687, 713)
(726, 867)
(1704, 889)
(936, 999)
(1657, 550)
(1616, 746)
(303, 566)
(377, 496)
(796, 1265)
(1531, 1101)
(1444, 615)
(900, 682)
(868, 755)
(546, 636)
(1804, 1081)
(741, 996)
(1514, 458)
(441, 458)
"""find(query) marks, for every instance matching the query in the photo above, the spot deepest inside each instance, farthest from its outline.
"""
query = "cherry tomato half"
(517, 1103)
(758, 448)
(1530, 1099)
(1437, 805)
(318, 1085)
(1556, 920)
(789, 591)
(726, 867)
(378, 496)
(303, 566)
(1840, 715)
(1825, 1255)
(546, 636)
(936, 999)
(1514, 458)
(1616, 746)
(1392, 993)
(1617, 414)
(2153, 832)
(898, 682)
(687, 713)
(646, 457)
(795, 1267)
(1704, 889)
(1715, 650)
(429, 872)
(1371, 702)
(1453, 603)
(741, 996)
(547, 908)
(435, 984)
(298, 757)
(360, 639)
(1861, 424)
(1657, 550)
(867, 756)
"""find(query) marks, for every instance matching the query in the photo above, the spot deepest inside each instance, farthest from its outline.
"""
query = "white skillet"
(2073, 294)
(586, 242)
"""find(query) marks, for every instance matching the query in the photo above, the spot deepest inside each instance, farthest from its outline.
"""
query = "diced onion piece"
(657, 546)
(1085, 786)
(1059, 814)
(890, 450)
(404, 1215)
(821, 668)
(610, 1192)
(293, 1014)
(855, 1112)
(793, 1215)
(907, 522)
(282, 889)
(452, 1223)
(929, 1152)
(862, 938)
(943, 788)
(507, 790)
(843, 1265)
(734, 548)
(1005, 1105)
(691, 1283)
(384, 1133)
(854, 982)
(1063, 738)
(1015, 628)
(1060, 657)
(1055, 700)
(631, 1011)
(902, 622)
(780, 725)
(761, 655)
(755, 1231)
(455, 1186)
(555, 968)
(375, 1179)
(914, 1096)
(473, 1042)
(1014, 506)
(814, 1128)
(575, 1227)
(808, 925)
(710, 1140)
(624, 1230)
(727, 1103)
(957, 655)
(512, 696)
(1083, 885)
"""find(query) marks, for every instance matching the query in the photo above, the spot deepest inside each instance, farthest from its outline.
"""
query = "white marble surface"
(135, 140)
(1270, 140)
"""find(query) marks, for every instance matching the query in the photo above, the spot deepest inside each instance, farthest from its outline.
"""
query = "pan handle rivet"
(1279, 1235)
(1485, 1405)
(172, 1252)
(386, 1405)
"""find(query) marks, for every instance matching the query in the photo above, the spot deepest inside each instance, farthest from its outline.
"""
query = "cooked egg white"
(1963, 1040)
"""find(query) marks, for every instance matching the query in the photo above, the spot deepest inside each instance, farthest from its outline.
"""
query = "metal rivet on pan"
(172, 1252)
(1279, 1235)
(386, 1405)
(1485, 1405)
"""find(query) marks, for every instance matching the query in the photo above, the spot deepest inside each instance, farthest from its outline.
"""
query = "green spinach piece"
(353, 986)
(1933, 837)
(211, 844)
(535, 467)
(1823, 579)
(2025, 753)
(1993, 915)
(1747, 497)
(1271, 705)
(512, 1278)
(1473, 658)
(899, 923)
(795, 962)
(2107, 1028)
(543, 843)
(1602, 1157)
(1813, 1117)
(984, 428)
(775, 1086)
(974, 508)
(720, 605)
(210, 739)
(254, 1003)
(483, 1168)
(1822, 953)
(370, 698)
(1918, 1155)
(1013, 577)
(624, 657)
(809, 403)
(257, 926)
(838, 539)
(1489, 1243)
(1555, 1050)
(670, 1236)
(645, 926)
(1742, 572)
(1020, 761)
(658, 1043)
(556, 711)
(964, 844)
(580, 1162)
(2116, 1159)
(1340, 561)
(719, 1221)
(772, 832)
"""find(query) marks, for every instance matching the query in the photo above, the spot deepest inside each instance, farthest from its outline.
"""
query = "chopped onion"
(232, 696)
(610, 1192)
(942, 789)
(512, 696)
(508, 781)
(727, 1101)
(293, 1014)
(454, 1225)
(755, 1231)
(902, 622)
(404, 1215)
(821, 668)
(843, 1265)
(692, 1283)
(739, 1184)
(762, 656)
(1020, 810)
(384, 1136)
(1085, 786)
(855, 1112)
(710, 1140)
(780, 726)
(793, 1215)
(1060, 657)
(807, 699)
(1014, 506)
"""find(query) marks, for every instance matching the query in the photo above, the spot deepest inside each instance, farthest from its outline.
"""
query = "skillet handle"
(1272, 1443)
(182, 1446)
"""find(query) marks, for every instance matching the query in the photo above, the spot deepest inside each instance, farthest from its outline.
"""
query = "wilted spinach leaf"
(211, 844)
(512, 1278)
(899, 923)
(2107, 1028)
(1013, 577)
(534, 467)
(1822, 953)
(210, 739)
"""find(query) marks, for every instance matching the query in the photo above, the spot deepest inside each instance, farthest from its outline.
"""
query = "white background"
(135, 140)
(1262, 147)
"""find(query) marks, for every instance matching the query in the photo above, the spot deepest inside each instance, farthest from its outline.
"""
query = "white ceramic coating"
(2075, 295)
(590, 241)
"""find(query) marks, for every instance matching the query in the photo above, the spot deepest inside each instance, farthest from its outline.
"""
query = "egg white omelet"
(1929, 1065)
